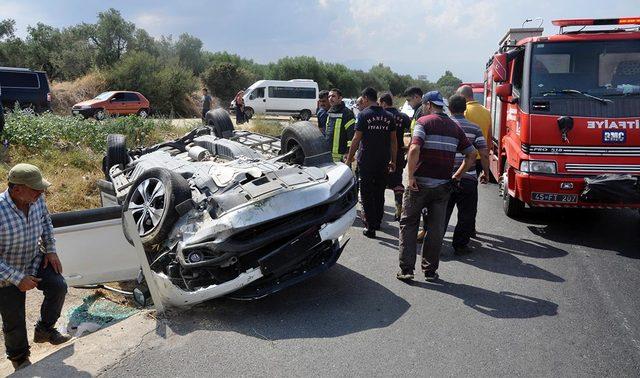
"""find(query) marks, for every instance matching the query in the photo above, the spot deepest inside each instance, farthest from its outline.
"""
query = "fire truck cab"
(565, 115)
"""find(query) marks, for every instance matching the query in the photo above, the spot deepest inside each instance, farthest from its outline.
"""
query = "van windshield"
(599, 68)
(103, 96)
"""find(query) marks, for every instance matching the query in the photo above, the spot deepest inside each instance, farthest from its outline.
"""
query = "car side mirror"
(504, 91)
(499, 68)
(112, 99)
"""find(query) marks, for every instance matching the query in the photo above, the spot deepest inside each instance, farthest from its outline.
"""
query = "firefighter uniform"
(339, 130)
(374, 155)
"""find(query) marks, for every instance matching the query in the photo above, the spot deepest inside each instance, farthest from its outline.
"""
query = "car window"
(103, 96)
(131, 97)
(118, 97)
(10, 79)
(257, 93)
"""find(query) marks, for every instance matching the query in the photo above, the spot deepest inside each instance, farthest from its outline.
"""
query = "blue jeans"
(12, 310)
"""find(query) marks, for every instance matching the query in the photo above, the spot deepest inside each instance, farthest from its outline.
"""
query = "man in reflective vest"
(413, 95)
(340, 126)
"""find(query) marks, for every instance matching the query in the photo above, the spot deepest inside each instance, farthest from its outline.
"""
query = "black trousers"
(12, 310)
(466, 200)
(372, 187)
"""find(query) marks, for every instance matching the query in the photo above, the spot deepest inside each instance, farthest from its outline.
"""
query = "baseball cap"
(434, 97)
(29, 175)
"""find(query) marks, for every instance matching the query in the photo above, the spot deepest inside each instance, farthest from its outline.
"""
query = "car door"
(258, 101)
(117, 104)
(132, 103)
(92, 247)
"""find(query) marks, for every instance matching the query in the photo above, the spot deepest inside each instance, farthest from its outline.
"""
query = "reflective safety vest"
(416, 114)
(340, 130)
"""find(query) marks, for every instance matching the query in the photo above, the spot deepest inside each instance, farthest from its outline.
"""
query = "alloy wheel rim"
(147, 205)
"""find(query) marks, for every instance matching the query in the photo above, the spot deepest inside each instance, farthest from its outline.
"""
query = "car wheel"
(152, 200)
(248, 113)
(512, 206)
(306, 144)
(100, 114)
(221, 123)
(117, 153)
(305, 115)
(143, 113)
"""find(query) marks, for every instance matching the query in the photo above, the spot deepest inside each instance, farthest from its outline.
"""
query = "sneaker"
(461, 251)
(404, 275)
(421, 236)
(21, 363)
(431, 276)
(52, 336)
(369, 232)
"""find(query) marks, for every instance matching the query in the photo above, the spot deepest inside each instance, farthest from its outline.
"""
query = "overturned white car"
(223, 211)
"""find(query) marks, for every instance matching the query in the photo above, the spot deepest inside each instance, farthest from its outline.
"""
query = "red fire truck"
(565, 114)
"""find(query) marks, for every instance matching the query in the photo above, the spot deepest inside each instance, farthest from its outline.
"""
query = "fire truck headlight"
(533, 166)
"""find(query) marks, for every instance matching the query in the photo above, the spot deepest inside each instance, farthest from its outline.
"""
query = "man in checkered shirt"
(28, 260)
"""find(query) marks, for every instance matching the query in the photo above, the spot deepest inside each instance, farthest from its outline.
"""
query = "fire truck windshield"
(596, 68)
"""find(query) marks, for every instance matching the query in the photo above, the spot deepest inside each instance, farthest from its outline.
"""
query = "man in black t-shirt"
(375, 140)
(403, 123)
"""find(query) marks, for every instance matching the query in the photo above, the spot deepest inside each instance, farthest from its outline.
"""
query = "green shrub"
(166, 84)
(47, 131)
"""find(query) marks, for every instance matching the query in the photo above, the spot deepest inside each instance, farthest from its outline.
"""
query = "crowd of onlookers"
(445, 157)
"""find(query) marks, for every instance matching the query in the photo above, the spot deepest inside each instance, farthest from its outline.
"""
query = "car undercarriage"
(227, 212)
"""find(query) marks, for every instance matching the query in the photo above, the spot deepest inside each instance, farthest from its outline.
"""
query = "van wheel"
(100, 114)
(221, 123)
(152, 200)
(306, 143)
(117, 153)
(512, 206)
(305, 115)
(143, 113)
(248, 113)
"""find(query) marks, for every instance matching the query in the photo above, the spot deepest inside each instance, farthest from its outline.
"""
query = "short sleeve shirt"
(439, 138)
(376, 125)
(474, 134)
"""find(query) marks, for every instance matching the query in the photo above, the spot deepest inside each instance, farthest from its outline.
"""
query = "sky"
(418, 37)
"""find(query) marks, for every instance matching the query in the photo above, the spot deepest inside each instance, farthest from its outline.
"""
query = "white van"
(297, 98)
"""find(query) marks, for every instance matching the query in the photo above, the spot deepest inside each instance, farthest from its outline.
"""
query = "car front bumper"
(259, 282)
(538, 190)
(87, 113)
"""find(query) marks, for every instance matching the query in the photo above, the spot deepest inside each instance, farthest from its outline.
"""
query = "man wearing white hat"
(28, 260)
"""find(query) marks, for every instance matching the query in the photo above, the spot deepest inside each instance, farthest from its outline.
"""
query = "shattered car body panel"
(217, 217)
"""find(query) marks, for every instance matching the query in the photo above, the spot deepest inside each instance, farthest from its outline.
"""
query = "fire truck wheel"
(512, 206)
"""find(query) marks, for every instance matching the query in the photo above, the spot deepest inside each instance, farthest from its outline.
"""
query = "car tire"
(248, 113)
(157, 191)
(305, 115)
(512, 206)
(310, 143)
(100, 114)
(117, 153)
(220, 121)
(143, 113)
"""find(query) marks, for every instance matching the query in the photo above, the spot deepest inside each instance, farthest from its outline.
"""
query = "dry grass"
(73, 175)
(67, 93)
(261, 125)
(73, 171)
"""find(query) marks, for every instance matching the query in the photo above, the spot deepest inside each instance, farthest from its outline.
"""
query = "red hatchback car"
(113, 103)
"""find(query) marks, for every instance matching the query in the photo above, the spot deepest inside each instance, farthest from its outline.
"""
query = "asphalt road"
(552, 294)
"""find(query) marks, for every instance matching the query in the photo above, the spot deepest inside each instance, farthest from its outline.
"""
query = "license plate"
(75, 112)
(555, 197)
(614, 136)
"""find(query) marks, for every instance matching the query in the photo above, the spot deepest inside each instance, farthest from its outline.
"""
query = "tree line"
(167, 70)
